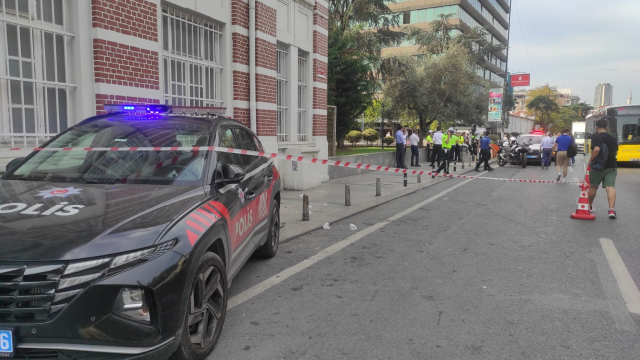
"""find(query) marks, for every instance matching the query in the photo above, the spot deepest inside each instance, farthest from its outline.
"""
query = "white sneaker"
(559, 177)
(563, 180)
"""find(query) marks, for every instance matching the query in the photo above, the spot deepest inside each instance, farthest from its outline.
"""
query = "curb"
(358, 209)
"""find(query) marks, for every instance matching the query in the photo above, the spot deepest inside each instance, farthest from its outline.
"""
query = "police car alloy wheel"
(270, 248)
(207, 310)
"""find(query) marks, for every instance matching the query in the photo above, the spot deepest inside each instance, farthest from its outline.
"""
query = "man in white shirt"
(546, 146)
(414, 139)
(437, 147)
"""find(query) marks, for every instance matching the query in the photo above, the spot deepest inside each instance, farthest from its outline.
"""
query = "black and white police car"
(129, 254)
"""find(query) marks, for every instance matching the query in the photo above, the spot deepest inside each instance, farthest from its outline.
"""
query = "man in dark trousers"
(446, 152)
(401, 147)
(485, 153)
(437, 148)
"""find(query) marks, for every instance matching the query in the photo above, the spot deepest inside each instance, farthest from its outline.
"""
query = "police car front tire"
(270, 247)
(206, 310)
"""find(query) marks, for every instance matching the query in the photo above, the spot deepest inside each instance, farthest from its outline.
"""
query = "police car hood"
(63, 221)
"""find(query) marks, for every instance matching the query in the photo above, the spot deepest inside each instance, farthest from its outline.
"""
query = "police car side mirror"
(231, 174)
(13, 163)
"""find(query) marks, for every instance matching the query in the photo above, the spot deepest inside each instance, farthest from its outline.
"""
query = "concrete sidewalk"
(327, 201)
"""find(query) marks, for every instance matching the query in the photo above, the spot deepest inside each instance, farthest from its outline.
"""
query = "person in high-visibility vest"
(454, 147)
(429, 144)
(459, 142)
(447, 143)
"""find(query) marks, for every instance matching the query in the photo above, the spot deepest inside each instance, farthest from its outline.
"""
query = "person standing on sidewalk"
(401, 143)
(429, 144)
(562, 144)
(437, 148)
(604, 152)
(547, 149)
(414, 140)
(485, 153)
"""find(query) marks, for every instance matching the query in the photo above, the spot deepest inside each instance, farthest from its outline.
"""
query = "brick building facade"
(64, 59)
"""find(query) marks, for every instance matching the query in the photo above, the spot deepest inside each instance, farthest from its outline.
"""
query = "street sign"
(520, 80)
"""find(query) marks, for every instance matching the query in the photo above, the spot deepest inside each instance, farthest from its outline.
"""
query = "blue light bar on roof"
(164, 109)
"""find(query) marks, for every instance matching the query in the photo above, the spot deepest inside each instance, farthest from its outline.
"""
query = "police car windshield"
(530, 139)
(130, 167)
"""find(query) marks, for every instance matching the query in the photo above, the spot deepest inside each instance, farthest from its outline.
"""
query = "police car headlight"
(127, 258)
(132, 304)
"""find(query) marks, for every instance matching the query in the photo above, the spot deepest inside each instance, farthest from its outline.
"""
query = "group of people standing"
(442, 148)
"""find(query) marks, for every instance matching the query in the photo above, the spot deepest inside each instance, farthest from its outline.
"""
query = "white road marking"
(283, 275)
(627, 286)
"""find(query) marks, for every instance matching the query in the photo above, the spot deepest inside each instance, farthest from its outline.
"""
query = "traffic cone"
(583, 212)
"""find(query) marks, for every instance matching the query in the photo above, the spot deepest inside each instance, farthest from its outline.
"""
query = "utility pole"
(382, 126)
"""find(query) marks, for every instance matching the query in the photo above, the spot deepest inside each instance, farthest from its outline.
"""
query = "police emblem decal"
(58, 192)
(241, 195)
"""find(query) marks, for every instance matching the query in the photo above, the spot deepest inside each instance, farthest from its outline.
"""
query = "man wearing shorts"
(562, 144)
(607, 176)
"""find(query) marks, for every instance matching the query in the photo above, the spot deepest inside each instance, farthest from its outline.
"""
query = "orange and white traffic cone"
(583, 212)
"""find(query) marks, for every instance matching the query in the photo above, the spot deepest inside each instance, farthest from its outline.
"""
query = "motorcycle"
(514, 155)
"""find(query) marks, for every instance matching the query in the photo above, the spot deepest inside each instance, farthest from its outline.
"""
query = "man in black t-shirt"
(607, 176)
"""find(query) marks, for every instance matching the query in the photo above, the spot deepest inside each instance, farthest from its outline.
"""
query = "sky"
(578, 44)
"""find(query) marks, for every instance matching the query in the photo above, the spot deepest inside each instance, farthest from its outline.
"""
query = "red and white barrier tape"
(328, 162)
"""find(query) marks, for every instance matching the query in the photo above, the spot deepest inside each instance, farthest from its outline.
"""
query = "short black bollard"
(455, 166)
(405, 180)
(378, 187)
(347, 195)
(305, 207)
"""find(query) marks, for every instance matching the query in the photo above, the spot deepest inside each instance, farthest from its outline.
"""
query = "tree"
(358, 30)
(370, 136)
(442, 88)
(581, 109)
(508, 104)
(543, 108)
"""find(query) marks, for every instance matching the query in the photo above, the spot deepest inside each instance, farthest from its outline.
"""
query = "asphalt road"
(460, 270)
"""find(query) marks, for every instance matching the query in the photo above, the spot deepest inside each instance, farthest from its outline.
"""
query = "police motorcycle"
(513, 153)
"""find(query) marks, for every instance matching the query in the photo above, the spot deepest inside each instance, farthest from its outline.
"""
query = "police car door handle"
(269, 177)
(250, 195)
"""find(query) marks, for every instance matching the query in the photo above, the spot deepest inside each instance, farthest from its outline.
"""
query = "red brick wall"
(266, 89)
(266, 54)
(240, 49)
(242, 115)
(267, 122)
(240, 13)
(137, 18)
(319, 125)
(266, 19)
(102, 99)
(320, 65)
(125, 65)
(320, 44)
(240, 86)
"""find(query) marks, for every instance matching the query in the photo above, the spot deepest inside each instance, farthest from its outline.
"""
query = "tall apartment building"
(62, 60)
(604, 95)
(494, 15)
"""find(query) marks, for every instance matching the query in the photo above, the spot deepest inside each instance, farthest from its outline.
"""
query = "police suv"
(120, 236)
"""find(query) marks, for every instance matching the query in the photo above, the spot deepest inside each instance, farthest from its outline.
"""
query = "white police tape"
(328, 162)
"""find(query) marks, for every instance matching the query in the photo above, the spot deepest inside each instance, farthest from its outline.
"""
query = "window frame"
(303, 88)
(282, 95)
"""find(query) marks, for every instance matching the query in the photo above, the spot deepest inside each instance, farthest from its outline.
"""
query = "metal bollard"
(347, 195)
(455, 166)
(305, 207)
(462, 160)
(419, 179)
(405, 180)
(378, 187)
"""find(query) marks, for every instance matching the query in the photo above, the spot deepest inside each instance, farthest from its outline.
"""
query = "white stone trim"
(265, 37)
(266, 106)
(319, 85)
(321, 30)
(108, 35)
(121, 90)
(240, 30)
(266, 72)
(241, 104)
(240, 67)
(322, 58)
(323, 3)
(319, 112)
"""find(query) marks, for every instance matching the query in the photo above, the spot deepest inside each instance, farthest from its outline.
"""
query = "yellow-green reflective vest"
(445, 138)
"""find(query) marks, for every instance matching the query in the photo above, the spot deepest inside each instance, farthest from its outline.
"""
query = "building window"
(191, 61)
(302, 95)
(34, 77)
(281, 95)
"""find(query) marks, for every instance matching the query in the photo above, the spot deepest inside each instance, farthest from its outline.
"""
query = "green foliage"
(353, 55)
(372, 114)
(582, 109)
(544, 109)
(354, 137)
(370, 136)
(388, 140)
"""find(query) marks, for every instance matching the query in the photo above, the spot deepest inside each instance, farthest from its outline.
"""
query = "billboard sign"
(495, 105)
(520, 80)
